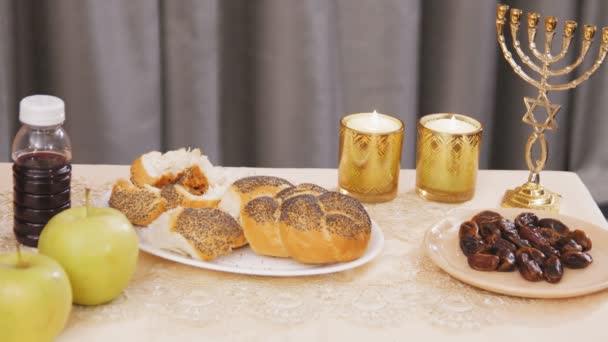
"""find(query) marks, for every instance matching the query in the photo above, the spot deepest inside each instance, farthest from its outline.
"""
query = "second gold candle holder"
(447, 163)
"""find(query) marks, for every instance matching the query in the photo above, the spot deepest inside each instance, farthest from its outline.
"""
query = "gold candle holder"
(447, 157)
(370, 156)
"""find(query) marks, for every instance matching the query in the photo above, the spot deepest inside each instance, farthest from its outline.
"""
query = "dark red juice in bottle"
(41, 190)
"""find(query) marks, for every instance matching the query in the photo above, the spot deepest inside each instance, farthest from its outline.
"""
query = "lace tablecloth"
(400, 295)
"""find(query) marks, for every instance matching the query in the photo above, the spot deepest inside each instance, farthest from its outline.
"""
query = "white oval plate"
(442, 246)
(244, 261)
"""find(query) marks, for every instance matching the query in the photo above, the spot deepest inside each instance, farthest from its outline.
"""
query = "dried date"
(507, 262)
(553, 270)
(486, 215)
(537, 240)
(500, 243)
(566, 245)
(558, 226)
(582, 239)
(509, 232)
(471, 245)
(483, 262)
(576, 260)
(529, 220)
(533, 253)
(468, 228)
(550, 235)
(489, 229)
(529, 268)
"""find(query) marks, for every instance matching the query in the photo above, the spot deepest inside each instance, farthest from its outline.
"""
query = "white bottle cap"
(42, 110)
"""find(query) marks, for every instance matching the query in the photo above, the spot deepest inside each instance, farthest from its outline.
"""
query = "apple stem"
(87, 195)
(20, 262)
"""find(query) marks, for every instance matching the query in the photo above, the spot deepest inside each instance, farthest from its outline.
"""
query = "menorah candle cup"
(447, 157)
(370, 156)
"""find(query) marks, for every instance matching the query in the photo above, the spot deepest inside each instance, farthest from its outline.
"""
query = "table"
(399, 296)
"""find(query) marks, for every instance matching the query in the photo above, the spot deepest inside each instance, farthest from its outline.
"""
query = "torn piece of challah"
(180, 178)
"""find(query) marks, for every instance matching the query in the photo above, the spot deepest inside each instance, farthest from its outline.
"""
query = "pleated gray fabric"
(8, 95)
(265, 82)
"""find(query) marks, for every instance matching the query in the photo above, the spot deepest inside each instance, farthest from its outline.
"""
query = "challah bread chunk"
(201, 233)
(141, 204)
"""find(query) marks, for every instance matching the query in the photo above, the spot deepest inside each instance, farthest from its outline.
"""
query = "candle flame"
(375, 118)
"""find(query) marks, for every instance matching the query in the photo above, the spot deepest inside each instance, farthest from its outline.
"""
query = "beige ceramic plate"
(441, 243)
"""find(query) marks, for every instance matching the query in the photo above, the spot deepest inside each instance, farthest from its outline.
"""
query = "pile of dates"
(539, 249)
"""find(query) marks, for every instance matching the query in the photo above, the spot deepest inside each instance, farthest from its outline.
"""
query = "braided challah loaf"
(304, 222)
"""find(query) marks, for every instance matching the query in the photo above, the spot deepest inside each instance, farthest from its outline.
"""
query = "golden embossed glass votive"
(447, 157)
(370, 156)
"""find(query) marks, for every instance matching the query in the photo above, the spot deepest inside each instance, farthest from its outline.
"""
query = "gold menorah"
(531, 194)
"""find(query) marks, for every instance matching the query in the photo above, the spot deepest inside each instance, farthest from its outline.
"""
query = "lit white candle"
(373, 123)
(452, 125)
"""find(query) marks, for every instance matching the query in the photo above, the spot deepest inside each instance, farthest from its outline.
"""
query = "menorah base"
(532, 196)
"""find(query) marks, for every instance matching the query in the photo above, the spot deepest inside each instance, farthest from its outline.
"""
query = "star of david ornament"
(541, 101)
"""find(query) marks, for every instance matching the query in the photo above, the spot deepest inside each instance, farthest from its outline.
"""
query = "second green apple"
(98, 249)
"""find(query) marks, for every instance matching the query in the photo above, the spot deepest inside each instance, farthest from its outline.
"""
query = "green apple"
(35, 298)
(97, 247)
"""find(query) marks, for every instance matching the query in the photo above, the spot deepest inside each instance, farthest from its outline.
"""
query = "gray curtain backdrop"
(264, 82)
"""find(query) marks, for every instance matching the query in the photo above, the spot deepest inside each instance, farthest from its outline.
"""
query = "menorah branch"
(518, 70)
(569, 29)
(573, 84)
(581, 57)
(565, 46)
(520, 52)
(548, 44)
(532, 44)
